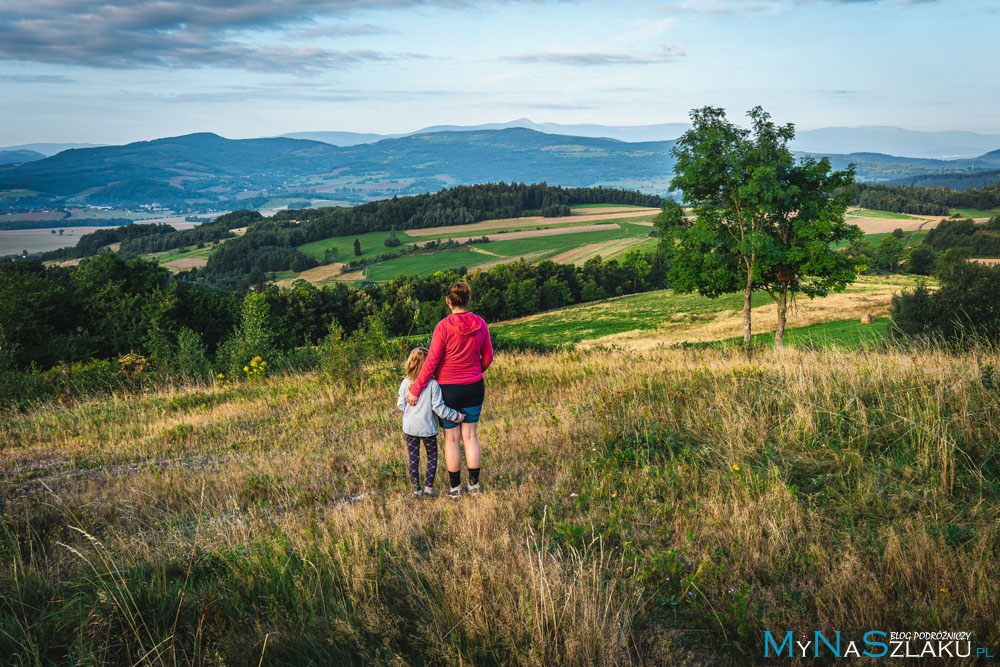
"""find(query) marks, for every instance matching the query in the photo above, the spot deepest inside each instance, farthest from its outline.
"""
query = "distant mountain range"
(12, 156)
(206, 170)
(836, 140)
(47, 149)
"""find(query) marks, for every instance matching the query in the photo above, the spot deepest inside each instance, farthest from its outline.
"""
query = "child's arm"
(438, 406)
(401, 399)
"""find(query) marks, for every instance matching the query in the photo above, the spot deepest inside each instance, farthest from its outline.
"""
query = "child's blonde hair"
(415, 362)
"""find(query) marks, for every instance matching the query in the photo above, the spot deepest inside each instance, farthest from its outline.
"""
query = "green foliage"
(888, 254)
(253, 337)
(963, 310)
(762, 221)
(926, 201)
(976, 240)
(920, 260)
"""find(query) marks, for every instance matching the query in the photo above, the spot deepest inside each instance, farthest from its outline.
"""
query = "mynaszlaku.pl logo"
(873, 644)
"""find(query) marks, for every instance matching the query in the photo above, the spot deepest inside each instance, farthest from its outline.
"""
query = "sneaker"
(418, 492)
(474, 489)
(454, 492)
(430, 494)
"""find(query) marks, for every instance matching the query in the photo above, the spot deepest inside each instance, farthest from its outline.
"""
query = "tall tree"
(761, 220)
(357, 247)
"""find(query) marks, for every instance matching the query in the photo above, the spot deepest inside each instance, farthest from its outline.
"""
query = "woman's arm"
(434, 356)
(487, 350)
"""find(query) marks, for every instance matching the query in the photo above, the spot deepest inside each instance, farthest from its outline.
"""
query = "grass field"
(533, 249)
(18, 193)
(870, 213)
(975, 212)
(189, 252)
(660, 507)
(841, 334)
(661, 318)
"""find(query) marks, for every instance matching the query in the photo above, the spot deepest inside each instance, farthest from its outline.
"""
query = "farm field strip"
(532, 220)
(533, 233)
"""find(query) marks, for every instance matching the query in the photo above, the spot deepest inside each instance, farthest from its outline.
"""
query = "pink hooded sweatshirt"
(460, 351)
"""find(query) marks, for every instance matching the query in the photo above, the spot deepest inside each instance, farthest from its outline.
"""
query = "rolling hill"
(208, 170)
(945, 145)
(207, 167)
(17, 156)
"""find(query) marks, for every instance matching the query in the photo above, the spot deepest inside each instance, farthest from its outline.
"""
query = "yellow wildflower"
(736, 468)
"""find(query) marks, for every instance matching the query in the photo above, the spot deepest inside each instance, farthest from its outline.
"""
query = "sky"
(129, 70)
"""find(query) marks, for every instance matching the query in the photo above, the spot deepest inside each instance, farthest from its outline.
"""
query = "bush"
(253, 337)
(963, 310)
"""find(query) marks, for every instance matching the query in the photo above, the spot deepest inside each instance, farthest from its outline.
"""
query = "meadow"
(664, 318)
(975, 213)
(656, 507)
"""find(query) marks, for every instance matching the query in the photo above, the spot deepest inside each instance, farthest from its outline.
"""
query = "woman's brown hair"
(459, 295)
(415, 362)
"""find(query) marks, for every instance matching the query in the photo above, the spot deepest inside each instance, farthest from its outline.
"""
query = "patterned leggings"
(413, 448)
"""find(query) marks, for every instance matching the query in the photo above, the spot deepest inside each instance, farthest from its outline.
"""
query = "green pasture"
(844, 334)
(975, 212)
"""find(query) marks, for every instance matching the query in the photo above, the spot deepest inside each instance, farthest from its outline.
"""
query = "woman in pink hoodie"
(459, 353)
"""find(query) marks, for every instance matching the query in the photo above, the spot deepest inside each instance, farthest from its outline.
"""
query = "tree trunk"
(747, 293)
(779, 333)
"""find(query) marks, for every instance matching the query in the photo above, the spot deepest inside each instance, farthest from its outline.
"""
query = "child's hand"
(461, 418)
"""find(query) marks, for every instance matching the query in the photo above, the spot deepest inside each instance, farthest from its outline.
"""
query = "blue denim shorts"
(471, 416)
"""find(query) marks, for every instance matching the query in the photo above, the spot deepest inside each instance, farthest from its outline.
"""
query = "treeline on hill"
(99, 240)
(965, 235)
(924, 201)
(955, 181)
(111, 323)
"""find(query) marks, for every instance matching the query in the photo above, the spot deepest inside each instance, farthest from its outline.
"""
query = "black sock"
(455, 478)
(473, 476)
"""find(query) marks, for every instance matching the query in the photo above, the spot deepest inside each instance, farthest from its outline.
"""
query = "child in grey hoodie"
(420, 423)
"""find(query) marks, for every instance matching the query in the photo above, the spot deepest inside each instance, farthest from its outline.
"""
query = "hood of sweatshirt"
(464, 324)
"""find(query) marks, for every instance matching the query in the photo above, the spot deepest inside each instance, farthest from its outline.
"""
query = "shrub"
(963, 310)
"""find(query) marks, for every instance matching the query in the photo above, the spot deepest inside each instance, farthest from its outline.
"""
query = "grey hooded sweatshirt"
(418, 420)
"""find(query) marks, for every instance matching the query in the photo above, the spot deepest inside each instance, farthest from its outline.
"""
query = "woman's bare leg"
(452, 451)
(470, 436)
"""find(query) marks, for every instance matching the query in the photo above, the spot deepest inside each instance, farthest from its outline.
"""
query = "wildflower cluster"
(256, 369)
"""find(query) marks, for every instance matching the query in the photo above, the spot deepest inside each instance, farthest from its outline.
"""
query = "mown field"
(658, 507)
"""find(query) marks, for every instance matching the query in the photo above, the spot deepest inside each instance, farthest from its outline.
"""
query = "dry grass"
(605, 249)
(186, 263)
(315, 275)
(654, 507)
(871, 298)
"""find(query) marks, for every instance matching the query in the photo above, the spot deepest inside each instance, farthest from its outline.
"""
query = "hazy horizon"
(119, 72)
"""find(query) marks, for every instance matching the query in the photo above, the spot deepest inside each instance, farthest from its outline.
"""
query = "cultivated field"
(657, 507)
